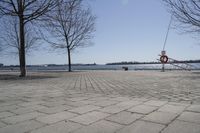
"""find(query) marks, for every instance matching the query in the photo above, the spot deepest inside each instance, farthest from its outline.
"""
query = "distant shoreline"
(143, 63)
(135, 66)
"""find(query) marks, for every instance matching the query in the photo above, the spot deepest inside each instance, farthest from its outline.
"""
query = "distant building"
(1, 65)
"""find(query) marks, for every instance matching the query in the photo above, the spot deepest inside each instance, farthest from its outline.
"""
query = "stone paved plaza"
(100, 102)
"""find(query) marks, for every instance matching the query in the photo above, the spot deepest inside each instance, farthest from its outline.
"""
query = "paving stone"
(160, 117)
(89, 118)
(143, 109)
(190, 117)
(75, 99)
(142, 127)
(179, 104)
(155, 103)
(2, 124)
(124, 117)
(21, 118)
(53, 104)
(8, 108)
(100, 127)
(172, 108)
(120, 99)
(100, 98)
(27, 104)
(141, 99)
(53, 110)
(120, 107)
(194, 108)
(84, 109)
(54, 99)
(182, 127)
(86, 102)
(5, 114)
(23, 110)
(75, 104)
(53, 118)
(112, 109)
(10, 102)
(104, 103)
(129, 103)
(93, 96)
(21, 127)
(60, 127)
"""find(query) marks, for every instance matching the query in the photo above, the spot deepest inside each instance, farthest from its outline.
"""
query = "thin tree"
(187, 12)
(71, 26)
(26, 11)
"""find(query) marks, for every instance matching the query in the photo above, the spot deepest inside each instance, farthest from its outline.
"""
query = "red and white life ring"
(164, 59)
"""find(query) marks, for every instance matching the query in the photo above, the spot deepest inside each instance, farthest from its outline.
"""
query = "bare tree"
(187, 12)
(71, 26)
(9, 37)
(26, 11)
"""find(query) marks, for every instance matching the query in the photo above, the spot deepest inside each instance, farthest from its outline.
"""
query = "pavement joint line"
(172, 120)
(121, 123)
(153, 122)
(88, 124)
(4, 122)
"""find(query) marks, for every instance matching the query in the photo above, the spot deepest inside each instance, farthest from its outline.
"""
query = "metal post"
(163, 64)
(163, 67)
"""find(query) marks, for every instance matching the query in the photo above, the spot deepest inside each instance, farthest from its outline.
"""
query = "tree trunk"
(22, 47)
(69, 60)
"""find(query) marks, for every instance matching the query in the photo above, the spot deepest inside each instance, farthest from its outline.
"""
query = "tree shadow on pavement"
(195, 72)
(28, 77)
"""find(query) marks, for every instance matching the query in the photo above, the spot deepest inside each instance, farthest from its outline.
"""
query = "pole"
(163, 67)
(169, 26)
(166, 37)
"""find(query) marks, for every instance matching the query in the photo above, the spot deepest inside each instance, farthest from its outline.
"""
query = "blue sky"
(126, 30)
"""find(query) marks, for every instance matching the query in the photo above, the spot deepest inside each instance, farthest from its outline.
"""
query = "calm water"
(195, 66)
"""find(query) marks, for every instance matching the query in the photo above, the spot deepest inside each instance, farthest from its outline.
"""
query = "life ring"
(164, 59)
